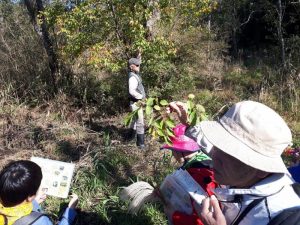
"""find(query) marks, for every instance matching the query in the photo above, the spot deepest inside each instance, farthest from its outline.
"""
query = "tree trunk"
(34, 8)
(155, 16)
(209, 36)
(118, 30)
(279, 32)
(234, 43)
(235, 27)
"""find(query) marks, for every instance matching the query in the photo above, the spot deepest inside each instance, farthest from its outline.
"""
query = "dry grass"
(56, 130)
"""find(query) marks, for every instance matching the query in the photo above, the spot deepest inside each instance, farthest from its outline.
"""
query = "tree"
(35, 9)
(279, 10)
(107, 31)
(232, 16)
(24, 71)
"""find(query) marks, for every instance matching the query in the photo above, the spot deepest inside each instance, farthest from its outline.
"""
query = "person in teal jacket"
(19, 184)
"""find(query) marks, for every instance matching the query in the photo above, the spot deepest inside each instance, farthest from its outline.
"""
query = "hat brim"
(218, 136)
(169, 147)
(137, 64)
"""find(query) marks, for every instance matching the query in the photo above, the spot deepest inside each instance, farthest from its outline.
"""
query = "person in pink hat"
(188, 153)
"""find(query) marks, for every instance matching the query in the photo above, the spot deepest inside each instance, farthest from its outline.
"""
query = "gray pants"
(138, 122)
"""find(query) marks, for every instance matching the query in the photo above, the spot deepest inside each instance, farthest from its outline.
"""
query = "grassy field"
(104, 161)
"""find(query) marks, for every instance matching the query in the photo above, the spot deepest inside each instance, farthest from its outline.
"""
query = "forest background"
(63, 82)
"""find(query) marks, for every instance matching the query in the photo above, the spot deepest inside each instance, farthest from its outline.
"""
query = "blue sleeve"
(68, 217)
(36, 206)
(44, 220)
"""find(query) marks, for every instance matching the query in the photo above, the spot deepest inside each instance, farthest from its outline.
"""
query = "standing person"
(19, 201)
(136, 93)
(248, 141)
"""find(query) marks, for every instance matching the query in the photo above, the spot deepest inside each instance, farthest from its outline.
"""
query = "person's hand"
(40, 196)
(142, 102)
(210, 212)
(73, 202)
(181, 110)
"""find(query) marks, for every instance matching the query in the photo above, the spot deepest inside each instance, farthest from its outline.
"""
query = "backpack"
(29, 219)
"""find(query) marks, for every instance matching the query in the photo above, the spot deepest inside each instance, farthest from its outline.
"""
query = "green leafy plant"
(161, 120)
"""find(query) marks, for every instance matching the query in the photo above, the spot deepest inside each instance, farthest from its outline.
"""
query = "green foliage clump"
(24, 71)
(246, 84)
(161, 120)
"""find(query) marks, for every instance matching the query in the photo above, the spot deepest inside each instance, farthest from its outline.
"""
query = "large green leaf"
(161, 124)
(170, 123)
(200, 108)
(194, 118)
(150, 102)
(156, 107)
(170, 133)
(150, 121)
(189, 105)
(160, 133)
(163, 102)
(129, 118)
(156, 124)
(148, 110)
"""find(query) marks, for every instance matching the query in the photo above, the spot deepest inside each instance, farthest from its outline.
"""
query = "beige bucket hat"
(252, 133)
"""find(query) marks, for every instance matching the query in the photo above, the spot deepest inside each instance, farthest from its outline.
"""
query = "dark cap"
(134, 61)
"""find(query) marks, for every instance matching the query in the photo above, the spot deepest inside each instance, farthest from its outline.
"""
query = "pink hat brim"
(182, 144)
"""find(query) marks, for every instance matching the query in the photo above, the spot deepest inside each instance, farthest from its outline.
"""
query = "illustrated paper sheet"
(57, 176)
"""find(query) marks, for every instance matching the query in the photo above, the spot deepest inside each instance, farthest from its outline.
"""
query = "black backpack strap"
(287, 217)
(29, 219)
(296, 187)
(247, 210)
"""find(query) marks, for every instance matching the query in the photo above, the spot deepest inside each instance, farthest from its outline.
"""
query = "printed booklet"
(57, 176)
(178, 187)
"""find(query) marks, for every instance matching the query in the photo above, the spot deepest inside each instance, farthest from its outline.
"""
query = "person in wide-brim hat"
(247, 141)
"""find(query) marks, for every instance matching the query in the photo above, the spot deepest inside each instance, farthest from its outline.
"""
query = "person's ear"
(30, 198)
(262, 174)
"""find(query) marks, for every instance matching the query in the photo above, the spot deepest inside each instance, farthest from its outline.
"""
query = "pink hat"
(180, 142)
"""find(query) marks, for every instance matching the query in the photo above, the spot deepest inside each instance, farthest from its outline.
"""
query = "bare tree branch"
(247, 21)
(117, 27)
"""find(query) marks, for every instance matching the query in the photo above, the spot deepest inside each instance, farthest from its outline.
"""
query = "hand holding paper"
(57, 176)
(73, 202)
(178, 187)
(40, 196)
(210, 212)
